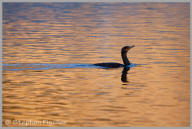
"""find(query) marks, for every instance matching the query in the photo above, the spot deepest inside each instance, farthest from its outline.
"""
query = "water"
(49, 49)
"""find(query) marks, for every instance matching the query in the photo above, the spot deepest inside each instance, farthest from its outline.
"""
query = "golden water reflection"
(156, 94)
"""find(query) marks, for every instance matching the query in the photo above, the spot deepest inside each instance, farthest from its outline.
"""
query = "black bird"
(126, 62)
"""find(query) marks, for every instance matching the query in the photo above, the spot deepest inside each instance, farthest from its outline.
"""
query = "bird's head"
(125, 49)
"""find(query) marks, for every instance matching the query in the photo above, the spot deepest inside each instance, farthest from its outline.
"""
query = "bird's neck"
(125, 59)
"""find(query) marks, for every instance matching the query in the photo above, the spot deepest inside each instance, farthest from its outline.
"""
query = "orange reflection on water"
(156, 94)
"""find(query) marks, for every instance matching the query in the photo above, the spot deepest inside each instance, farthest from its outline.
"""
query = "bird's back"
(110, 65)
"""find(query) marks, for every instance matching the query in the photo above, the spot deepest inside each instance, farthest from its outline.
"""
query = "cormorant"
(126, 62)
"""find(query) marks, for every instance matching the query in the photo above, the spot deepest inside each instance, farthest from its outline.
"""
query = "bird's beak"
(132, 46)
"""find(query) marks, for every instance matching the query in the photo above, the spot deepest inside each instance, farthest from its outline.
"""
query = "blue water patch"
(131, 65)
(44, 66)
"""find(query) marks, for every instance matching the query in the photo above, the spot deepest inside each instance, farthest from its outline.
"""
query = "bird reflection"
(124, 74)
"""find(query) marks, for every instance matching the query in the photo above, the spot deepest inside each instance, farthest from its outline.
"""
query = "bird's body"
(110, 65)
(125, 59)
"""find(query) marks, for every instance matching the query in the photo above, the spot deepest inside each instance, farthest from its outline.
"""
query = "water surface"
(49, 49)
